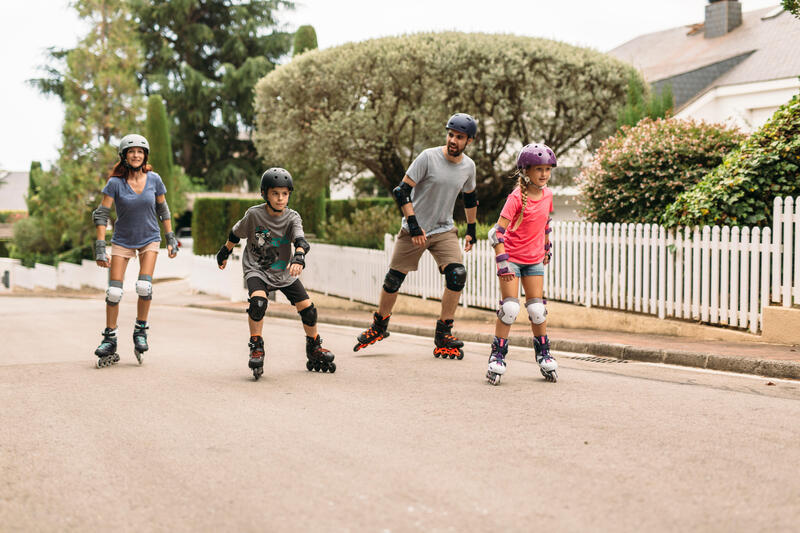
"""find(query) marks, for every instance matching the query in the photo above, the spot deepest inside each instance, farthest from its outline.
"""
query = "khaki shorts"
(130, 253)
(444, 248)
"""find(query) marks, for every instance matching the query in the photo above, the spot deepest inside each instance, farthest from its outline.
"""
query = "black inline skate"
(140, 339)
(547, 365)
(319, 359)
(497, 360)
(107, 351)
(377, 331)
(446, 344)
(256, 363)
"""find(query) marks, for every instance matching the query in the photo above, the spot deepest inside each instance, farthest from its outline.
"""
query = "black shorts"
(294, 292)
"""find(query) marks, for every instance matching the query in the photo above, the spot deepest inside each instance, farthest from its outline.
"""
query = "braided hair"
(522, 183)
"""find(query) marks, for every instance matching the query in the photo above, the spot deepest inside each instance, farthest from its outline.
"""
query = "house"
(733, 67)
(13, 190)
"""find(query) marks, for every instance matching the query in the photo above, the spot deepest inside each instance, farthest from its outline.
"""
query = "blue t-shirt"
(137, 223)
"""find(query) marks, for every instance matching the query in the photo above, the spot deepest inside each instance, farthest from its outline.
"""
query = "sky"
(31, 123)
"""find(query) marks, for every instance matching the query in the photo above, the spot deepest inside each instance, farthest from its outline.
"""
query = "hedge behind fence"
(213, 218)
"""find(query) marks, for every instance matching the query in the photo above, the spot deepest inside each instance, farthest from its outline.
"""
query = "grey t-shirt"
(438, 182)
(137, 223)
(269, 244)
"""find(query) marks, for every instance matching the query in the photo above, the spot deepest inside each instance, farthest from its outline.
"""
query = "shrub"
(364, 228)
(11, 215)
(639, 171)
(212, 220)
(742, 189)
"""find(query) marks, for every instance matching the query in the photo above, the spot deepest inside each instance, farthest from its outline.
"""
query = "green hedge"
(212, 220)
(342, 210)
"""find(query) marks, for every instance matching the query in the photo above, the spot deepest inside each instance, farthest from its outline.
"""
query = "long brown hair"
(123, 172)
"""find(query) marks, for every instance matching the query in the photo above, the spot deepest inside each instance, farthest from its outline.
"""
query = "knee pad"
(257, 308)
(309, 315)
(455, 277)
(144, 287)
(393, 280)
(536, 310)
(114, 292)
(508, 311)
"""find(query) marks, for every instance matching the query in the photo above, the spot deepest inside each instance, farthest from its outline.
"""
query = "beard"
(453, 151)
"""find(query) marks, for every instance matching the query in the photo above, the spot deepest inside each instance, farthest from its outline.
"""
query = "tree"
(638, 172)
(642, 102)
(371, 107)
(161, 151)
(741, 190)
(102, 102)
(792, 6)
(204, 57)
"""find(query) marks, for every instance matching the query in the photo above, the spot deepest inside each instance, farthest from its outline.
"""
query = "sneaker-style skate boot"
(497, 360)
(446, 344)
(377, 331)
(256, 363)
(140, 339)
(547, 365)
(319, 359)
(107, 351)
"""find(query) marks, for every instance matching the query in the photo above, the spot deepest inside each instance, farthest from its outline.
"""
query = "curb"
(725, 363)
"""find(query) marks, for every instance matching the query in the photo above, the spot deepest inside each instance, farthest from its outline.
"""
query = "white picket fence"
(716, 275)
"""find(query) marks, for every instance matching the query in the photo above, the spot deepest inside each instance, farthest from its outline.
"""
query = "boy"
(269, 229)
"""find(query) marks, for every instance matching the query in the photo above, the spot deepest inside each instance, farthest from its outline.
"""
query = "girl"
(138, 194)
(522, 247)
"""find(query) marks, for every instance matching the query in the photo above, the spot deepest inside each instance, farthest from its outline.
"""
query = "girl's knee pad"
(508, 311)
(536, 310)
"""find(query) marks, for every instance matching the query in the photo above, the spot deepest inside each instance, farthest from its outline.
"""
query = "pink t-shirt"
(525, 245)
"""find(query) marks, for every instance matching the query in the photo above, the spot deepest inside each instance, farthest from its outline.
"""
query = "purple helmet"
(536, 154)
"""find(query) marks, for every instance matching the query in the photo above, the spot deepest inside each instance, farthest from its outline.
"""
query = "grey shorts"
(443, 247)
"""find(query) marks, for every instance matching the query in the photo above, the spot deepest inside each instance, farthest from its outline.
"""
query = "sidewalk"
(418, 317)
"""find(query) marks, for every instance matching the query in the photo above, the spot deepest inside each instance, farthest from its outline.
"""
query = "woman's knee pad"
(257, 308)
(536, 310)
(144, 287)
(455, 277)
(508, 311)
(114, 292)
(309, 315)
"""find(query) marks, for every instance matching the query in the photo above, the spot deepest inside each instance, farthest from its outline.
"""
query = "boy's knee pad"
(309, 315)
(144, 287)
(257, 308)
(393, 280)
(455, 277)
(508, 311)
(114, 292)
(536, 310)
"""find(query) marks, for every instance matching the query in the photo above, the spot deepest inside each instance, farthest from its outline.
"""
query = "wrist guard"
(502, 265)
(413, 226)
(471, 232)
(299, 258)
(100, 250)
(171, 240)
(223, 255)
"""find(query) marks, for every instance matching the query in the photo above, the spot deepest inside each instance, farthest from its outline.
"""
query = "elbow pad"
(100, 215)
(494, 238)
(233, 238)
(402, 194)
(470, 199)
(300, 242)
(162, 210)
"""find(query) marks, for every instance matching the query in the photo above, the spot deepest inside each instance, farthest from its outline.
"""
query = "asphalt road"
(395, 440)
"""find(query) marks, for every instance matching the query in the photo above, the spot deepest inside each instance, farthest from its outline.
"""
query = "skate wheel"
(309, 365)
(435, 353)
(331, 367)
(138, 355)
(460, 355)
(317, 366)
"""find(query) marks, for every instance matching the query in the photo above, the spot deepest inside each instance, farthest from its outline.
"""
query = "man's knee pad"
(144, 287)
(536, 310)
(114, 292)
(393, 280)
(455, 276)
(257, 308)
(309, 315)
(508, 311)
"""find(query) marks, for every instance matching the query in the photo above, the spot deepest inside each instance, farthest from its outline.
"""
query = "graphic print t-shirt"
(137, 223)
(525, 245)
(269, 244)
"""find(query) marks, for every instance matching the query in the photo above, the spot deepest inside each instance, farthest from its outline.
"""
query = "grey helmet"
(131, 140)
(463, 123)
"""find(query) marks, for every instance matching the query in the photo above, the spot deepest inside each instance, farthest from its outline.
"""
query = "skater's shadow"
(373, 354)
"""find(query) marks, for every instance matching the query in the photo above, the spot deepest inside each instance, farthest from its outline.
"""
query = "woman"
(138, 195)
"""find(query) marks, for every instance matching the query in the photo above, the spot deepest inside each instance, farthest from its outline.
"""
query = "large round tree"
(373, 106)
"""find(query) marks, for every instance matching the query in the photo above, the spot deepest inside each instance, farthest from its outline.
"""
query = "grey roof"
(774, 43)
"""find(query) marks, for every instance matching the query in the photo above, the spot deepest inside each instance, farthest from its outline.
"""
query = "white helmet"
(131, 140)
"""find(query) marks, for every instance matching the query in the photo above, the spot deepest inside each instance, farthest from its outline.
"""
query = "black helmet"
(275, 177)
(463, 123)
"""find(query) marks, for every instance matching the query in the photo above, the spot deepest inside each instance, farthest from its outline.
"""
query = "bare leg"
(116, 273)
(311, 331)
(534, 288)
(147, 265)
(449, 304)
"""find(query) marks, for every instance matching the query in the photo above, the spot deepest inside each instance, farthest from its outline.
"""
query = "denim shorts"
(522, 271)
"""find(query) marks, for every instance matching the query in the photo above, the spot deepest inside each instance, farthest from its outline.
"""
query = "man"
(426, 198)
